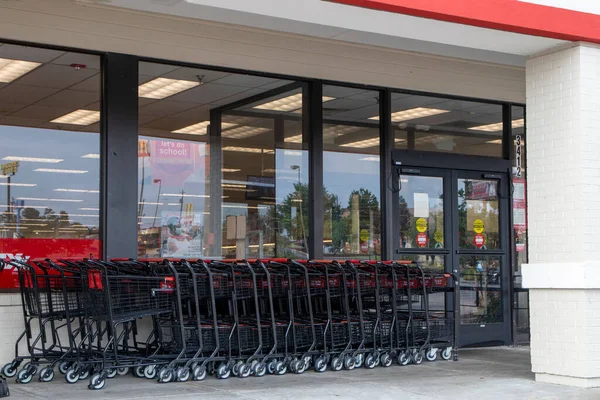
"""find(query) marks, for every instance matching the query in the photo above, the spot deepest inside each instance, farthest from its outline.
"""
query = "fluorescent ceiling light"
(230, 169)
(497, 141)
(200, 128)
(79, 117)
(243, 132)
(289, 103)
(14, 69)
(516, 123)
(83, 215)
(61, 171)
(238, 190)
(292, 153)
(293, 139)
(18, 184)
(89, 209)
(413, 113)
(57, 200)
(247, 149)
(280, 171)
(161, 88)
(244, 183)
(329, 131)
(33, 159)
(370, 158)
(28, 206)
(363, 144)
(203, 196)
(77, 190)
(91, 155)
(150, 203)
(173, 204)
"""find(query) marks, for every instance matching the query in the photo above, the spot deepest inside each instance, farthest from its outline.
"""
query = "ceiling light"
(516, 123)
(292, 153)
(289, 103)
(161, 88)
(13, 69)
(28, 206)
(77, 190)
(33, 159)
(200, 128)
(247, 149)
(203, 196)
(242, 132)
(61, 171)
(91, 155)
(83, 215)
(238, 190)
(330, 131)
(230, 170)
(497, 141)
(150, 203)
(232, 185)
(18, 184)
(293, 139)
(413, 113)
(79, 117)
(89, 209)
(363, 144)
(370, 158)
(244, 183)
(58, 200)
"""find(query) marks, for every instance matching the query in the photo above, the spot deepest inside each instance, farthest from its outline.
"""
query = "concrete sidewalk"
(481, 374)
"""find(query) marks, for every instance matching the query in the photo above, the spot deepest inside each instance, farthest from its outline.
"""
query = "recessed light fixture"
(84, 215)
(247, 149)
(61, 171)
(14, 69)
(290, 103)
(292, 153)
(161, 88)
(18, 184)
(230, 169)
(413, 113)
(202, 196)
(89, 209)
(200, 128)
(370, 158)
(77, 190)
(516, 123)
(233, 185)
(33, 159)
(91, 155)
(79, 117)
(57, 200)
(363, 144)
(150, 203)
(497, 141)
(242, 132)
(28, 206)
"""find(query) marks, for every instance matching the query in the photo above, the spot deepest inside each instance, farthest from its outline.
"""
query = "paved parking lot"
(481, 374)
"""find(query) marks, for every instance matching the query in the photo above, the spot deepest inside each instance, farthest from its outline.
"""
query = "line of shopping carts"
(176, 320)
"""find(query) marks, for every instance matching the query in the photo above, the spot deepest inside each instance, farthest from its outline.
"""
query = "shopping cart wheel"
(139, 371)
(321, 364)
(272, 367)
(235, 370)
(386, 360)
(337, 364)
(431, 354)
(9, 370)
(97, 382)
(349, 363)
(199, 373)
(84, 373)
(280, 368)
(223, 371)
(166, 375)
(72, 376)
(371, 361)
(417, 357)
(111, 373)
(24, 376)
(183, 374)
(302, 366)
(359, 360)
(122, 371)
(446, 354)
(150, 372)
(245, 371)
(260, 369)
(64, 366)
(404, 358)
(46, 374)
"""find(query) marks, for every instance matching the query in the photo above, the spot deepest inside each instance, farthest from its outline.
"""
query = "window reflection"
(352, 212)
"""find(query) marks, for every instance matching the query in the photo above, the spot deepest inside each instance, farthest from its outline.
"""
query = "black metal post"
(386, 147)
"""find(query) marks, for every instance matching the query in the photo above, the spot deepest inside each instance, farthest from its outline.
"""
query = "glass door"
(457, 221)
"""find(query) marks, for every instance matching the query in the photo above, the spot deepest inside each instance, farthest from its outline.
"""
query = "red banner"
(43, 248)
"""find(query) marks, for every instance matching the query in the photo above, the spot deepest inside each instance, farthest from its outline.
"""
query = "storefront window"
(352, 210)
(447, 125)
(49, 152)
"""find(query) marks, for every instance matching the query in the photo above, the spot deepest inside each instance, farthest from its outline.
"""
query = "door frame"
(450, 166)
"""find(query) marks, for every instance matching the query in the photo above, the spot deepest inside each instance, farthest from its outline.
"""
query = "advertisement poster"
(171, 162)
(182, 234)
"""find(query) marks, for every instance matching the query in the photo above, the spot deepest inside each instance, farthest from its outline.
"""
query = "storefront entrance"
(455, 217)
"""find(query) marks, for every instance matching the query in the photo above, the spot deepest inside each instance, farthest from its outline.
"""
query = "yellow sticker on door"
(421, 224)
(478, 226)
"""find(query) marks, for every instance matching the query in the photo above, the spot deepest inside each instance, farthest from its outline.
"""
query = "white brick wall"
(563, 156)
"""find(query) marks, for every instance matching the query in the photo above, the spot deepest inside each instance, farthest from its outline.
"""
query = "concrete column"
(563, 175)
